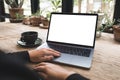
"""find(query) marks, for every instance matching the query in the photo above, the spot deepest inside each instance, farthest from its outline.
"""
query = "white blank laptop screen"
(74, 29)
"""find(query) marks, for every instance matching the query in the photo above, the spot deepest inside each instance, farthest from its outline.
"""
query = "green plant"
(19, 16)
(118, 21)
(38, 13)
(56, 4)
(48, 15)
(14, 4)
(108, 23)
(107, 0)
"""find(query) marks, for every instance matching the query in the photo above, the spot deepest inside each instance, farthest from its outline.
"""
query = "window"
(48, 6)
(81, 6)
(27, 7)
(86, 6)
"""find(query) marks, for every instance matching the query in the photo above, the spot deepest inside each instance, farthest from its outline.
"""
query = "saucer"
(37, 43)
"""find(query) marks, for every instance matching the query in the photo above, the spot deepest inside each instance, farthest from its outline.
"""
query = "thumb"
(43, 75)
(40, 69)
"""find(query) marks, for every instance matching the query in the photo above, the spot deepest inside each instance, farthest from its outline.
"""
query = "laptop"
(73, 34)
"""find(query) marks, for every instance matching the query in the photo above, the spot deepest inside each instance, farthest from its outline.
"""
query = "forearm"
(76, 77)
(23, 55)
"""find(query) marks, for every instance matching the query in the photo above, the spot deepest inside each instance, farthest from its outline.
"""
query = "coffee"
(29, 37)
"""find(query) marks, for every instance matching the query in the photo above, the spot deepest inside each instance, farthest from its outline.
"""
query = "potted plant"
(116, 30)
(38, 20)
(35, 19)
(15, 8)
(107, 26)
(18, 19)
(99, 23)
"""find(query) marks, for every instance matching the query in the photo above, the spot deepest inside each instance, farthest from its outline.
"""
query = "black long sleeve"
(23, 55)
(11, 68)
(76, 77)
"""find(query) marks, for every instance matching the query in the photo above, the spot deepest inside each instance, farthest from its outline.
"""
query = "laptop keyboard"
(72, 50)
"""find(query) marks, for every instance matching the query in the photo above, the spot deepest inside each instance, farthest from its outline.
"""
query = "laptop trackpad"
(74, 60)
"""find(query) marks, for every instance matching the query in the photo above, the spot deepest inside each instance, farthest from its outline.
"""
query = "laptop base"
(74, 60)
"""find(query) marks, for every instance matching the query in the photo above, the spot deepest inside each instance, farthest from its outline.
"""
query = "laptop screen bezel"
(48, 41)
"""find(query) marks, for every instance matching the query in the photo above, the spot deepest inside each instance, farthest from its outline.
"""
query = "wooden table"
(106, 59)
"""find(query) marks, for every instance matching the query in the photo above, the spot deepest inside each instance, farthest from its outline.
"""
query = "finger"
(52, 52)
(47, 58)
(40, 64)
(43, 75)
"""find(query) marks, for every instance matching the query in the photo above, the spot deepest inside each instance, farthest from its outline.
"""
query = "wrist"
(76, 76)
(68, 74)
(31, 55)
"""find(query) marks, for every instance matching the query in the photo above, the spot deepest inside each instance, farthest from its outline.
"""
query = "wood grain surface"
(106, 59)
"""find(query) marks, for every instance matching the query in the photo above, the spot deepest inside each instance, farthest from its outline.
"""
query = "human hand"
(44, 54)
(52, 72)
